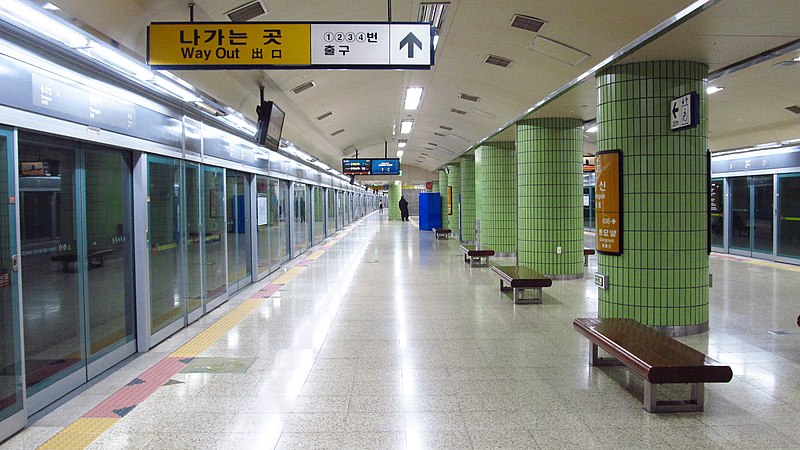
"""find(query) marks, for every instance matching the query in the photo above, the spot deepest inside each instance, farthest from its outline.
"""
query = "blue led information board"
(389, 166)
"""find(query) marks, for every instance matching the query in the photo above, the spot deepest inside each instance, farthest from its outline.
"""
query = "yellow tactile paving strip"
(760, 262)
(79, 434)
(289, 275)
(203, 340)
(84, 431)
(316, 254)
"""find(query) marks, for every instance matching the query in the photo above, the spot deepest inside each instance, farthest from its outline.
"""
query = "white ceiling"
(366, 104)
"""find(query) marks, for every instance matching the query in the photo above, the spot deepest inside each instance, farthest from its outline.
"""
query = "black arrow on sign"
(410, 40)
(675, 111)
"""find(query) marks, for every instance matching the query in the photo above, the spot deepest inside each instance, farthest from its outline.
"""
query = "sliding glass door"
(12, 417)
(76, 263)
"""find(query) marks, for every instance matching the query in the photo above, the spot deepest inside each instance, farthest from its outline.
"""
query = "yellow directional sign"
(228, 44)
(224, 45)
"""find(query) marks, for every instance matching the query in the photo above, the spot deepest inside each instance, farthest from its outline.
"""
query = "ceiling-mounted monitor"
(356, 167)
(387, 166)
(270, 125)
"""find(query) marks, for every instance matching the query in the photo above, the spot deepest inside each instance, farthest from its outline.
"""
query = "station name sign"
(608, 202)
(269, 45)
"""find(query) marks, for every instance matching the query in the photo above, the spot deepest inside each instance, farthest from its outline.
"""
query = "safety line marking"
(289, 275)
(79, 434)
(85, 430)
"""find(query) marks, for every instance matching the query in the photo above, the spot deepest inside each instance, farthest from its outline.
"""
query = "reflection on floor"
(386, 339)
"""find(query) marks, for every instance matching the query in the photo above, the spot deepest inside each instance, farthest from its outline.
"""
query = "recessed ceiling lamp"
(400, 153)
(413, 96)
(712, 89)
(303, 87)
(405, 126)
(592, 129)
(402, 143)
(434, 14)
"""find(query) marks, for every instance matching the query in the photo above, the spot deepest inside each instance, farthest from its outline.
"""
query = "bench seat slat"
(522, 277)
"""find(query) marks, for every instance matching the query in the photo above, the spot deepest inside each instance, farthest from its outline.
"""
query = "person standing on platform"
(380, 206)
(403, 208)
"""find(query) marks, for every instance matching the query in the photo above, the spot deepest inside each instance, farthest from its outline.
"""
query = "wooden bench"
(471, 254)
(657, 358)
(95, 258)
(586, 253)
(442, 233)
(520, 278)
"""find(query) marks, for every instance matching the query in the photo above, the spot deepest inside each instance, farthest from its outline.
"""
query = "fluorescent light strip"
(405, 126)
(413, 96)
(402, 143)
(39, 22)
(713, 89)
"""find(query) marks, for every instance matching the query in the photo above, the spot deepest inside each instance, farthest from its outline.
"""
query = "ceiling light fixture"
(400, 153)
(592, 129)
(405, 126)
(413, 97)
(433, 13)
(402, 143)
(712, 89)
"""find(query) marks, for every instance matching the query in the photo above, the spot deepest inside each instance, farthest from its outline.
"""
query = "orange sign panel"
(608, 202)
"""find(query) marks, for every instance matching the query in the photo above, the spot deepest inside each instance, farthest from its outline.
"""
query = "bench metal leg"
(596, 360)
(696, 400)
(519, 292)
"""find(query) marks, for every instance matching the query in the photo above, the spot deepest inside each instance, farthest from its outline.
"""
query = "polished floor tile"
(388, 340)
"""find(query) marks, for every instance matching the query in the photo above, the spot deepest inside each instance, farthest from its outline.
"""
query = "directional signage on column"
(268, 45)
(411, 44)
(608, 202)
(684, 112)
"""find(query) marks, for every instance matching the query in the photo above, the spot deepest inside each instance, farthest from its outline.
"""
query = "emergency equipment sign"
(259, 45)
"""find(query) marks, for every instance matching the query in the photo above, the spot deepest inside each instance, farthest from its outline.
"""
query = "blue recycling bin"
(430, 210)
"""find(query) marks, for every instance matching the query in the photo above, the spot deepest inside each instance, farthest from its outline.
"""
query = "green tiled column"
(454, 181)
(443, 194)
(395, 191)
(661, 278)
(434, 187)
(550, 165)
(467, 197)
(496, 193)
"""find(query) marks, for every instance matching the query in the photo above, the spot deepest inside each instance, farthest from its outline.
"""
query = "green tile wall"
(550, 195)
(454, 180)
(661, 278)
(467, 163)
(443, 194)
(496, 193)
(395, 191)
(434, 187)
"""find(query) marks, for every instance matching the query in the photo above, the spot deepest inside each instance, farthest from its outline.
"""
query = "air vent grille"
(303, 87)
(471, 98)
(446, 128)
(337, 132)
(438, 134)
(248, 11)
(527, 23)
(458, 111)
(795, 109)
(325, 116)
(498, 61)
